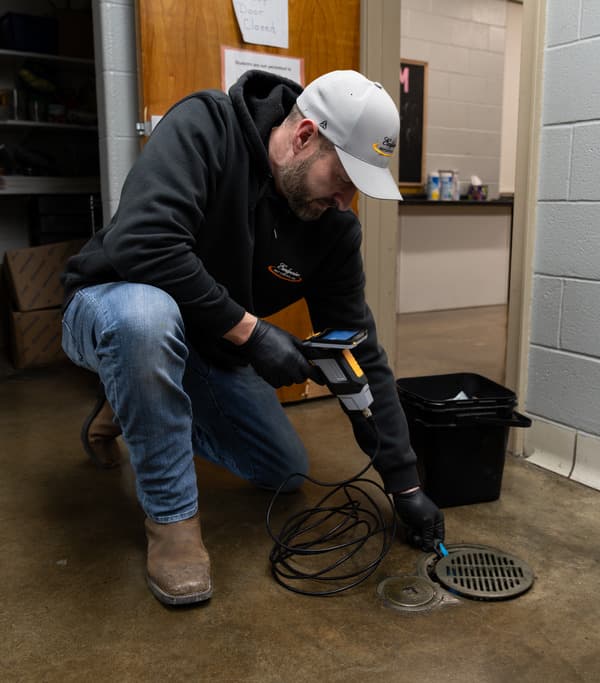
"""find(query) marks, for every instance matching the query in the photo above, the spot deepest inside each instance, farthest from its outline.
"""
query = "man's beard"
(292, 182)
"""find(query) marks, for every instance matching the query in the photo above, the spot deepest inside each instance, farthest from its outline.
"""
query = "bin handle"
(515, 420)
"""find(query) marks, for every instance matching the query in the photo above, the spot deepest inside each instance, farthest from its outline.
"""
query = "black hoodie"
(199, 217)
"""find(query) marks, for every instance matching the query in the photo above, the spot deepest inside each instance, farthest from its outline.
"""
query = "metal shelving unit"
(19, 55)
(47, 125)
(11, 185)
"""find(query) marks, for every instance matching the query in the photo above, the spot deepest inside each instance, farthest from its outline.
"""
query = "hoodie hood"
(261, 101)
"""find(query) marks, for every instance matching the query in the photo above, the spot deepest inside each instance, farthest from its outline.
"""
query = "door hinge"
(142, 128)
(145, 128)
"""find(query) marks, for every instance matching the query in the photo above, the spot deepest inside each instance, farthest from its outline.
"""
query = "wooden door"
(179, 51)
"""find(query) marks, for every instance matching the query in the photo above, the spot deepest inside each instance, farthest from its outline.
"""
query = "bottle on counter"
(433, 186)
(446, 186)
(455, 185)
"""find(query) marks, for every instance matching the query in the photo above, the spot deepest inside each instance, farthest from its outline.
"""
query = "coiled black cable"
(301, 550)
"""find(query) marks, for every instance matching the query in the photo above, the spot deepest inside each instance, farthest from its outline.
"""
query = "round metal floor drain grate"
(482, 573)
(409, 593)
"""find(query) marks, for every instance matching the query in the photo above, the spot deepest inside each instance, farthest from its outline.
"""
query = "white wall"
(452, 257)
(564, 357)
(463, 43)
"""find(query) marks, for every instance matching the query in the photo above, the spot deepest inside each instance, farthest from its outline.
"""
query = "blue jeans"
(171, 404)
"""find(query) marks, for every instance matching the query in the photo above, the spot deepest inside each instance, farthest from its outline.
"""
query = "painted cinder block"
(120, 87)
(123, 153)
(555, 155)
(545, 310)
(114, 25)
(422, 5)
(571, 83)
(489, 12)
(580, 320)
(446, 114)
(563, 388)
(484, 117)
(428, 26)
(590, 19)
(118, 25)
(457, 10)
(585, 164)
(562, 22)
(449, 58)
(568, 239)
(497, 38)
(467, 88)
(488, 64)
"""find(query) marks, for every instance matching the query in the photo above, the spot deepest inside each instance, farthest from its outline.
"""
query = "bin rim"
(493, 395)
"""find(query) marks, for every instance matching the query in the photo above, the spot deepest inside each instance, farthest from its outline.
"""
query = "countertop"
(423, 201)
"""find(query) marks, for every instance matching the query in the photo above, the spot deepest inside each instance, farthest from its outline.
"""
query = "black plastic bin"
(459, 426)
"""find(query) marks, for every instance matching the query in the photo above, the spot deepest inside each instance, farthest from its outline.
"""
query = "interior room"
(493, 287)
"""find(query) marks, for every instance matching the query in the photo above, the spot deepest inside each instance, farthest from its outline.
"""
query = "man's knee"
(150, 323)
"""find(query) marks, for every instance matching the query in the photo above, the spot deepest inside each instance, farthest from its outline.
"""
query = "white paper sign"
(236, 62)
(263, 22)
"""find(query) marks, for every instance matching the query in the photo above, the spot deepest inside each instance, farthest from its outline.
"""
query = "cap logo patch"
(385, 147)
(323, 125)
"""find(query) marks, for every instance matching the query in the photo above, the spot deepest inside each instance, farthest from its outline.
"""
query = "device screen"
(338, 335)
(331, 338)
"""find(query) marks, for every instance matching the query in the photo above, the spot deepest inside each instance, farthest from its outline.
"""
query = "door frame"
(380, 61)
(525, 205)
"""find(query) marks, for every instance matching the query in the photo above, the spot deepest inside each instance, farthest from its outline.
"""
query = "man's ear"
(305, 135)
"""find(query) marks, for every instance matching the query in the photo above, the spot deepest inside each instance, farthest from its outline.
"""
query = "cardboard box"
(33, 274)
(35, 338)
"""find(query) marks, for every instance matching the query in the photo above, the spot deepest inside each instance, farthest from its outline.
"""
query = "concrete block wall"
(563, 393)
(117, 87)
(463, 42)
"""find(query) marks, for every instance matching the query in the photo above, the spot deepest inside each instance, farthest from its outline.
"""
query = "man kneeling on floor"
(238, 206)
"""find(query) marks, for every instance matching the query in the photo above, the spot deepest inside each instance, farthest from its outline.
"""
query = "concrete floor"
(75, 604)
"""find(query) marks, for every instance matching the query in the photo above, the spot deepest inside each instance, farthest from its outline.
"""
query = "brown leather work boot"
(178, 564)
(99, 435)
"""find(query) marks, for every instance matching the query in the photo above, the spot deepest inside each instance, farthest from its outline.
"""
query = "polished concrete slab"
(75, 605)
(73, 544)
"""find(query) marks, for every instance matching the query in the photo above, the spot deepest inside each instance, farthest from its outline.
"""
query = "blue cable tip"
(441, 548)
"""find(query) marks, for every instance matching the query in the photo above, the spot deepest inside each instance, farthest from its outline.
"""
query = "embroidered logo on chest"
(285, 272)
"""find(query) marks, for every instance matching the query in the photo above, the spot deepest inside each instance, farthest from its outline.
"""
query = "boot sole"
(168, 599)
(84, 436)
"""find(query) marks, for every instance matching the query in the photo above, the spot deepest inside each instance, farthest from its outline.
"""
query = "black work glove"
(277, 356)
(425, 521)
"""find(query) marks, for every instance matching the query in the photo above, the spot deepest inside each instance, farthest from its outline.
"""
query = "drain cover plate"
(409, 593)
(483, 573)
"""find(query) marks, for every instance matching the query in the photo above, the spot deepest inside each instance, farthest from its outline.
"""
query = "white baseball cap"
(361, 120)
